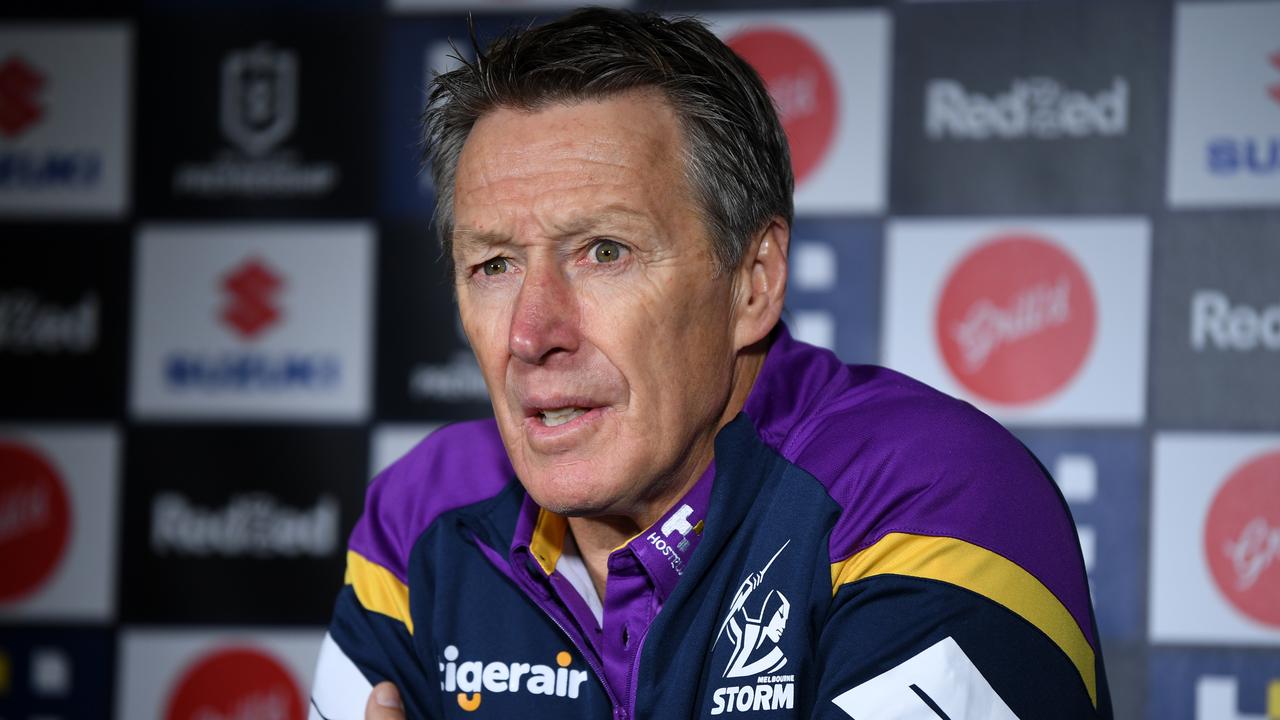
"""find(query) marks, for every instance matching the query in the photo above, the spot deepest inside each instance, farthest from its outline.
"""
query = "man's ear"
(761, 280)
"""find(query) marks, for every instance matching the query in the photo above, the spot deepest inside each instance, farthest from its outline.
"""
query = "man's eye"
(496, 266)
(606, 251)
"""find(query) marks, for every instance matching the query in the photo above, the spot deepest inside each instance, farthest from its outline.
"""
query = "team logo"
(259, 98)
(1242, 539)
(236, 683)
(802, 88)
(468, 678)
(35, 520)
(20, 86)
(1016, 319)
(754, 625)
(251, 308)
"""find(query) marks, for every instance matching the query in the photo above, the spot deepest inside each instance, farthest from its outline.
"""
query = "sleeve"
(935, 627)
(370, 639)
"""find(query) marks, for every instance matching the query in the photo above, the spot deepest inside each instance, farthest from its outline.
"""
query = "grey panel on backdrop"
(1215, 349)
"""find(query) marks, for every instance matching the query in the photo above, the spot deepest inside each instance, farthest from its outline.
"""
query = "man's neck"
(597, 537)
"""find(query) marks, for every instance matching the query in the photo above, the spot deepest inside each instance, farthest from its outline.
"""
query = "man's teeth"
(560, 416)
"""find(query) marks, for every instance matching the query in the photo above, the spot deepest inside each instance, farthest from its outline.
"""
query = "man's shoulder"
(455, 466)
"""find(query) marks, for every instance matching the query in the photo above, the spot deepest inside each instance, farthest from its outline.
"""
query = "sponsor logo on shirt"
(802, 88)
(236, 684)
(470, 678)
(1016, 319)
(1217, 323)
(1242, 538)
(754, 625)
(1036, 108)
(258, 112)
(671, 548)
(35, 520)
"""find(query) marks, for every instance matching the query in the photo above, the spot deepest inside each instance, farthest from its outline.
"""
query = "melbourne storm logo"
(756, 620)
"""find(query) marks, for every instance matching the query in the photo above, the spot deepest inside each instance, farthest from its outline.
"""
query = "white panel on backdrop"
(64, 129)
(1224, 136)
(58, 491)
(1215, 539)
(1035, 320)
(390, 442)
(828, 72)
(252, 321)
(193, 674)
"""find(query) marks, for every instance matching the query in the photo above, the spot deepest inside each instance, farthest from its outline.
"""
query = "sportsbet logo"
(470, 677)
(1242, 538)
(35, 520)
(1016, 319)
(801, 86)
(236, 684)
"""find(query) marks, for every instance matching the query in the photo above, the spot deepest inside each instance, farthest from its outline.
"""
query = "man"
(678, 510)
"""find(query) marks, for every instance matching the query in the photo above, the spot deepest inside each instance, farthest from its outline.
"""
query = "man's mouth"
(560, 416)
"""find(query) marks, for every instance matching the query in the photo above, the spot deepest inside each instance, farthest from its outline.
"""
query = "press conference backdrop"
(221, 309)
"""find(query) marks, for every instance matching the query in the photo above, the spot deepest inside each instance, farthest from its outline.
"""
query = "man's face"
(588, 290)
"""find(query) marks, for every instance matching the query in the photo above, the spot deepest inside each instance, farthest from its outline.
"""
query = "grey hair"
(736, 157)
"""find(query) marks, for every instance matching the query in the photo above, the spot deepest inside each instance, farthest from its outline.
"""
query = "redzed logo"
(801, 86)
(35, 520)
(236, 684)
(1242, 538)
(1016, 319)
(19, 85)
(252, 287)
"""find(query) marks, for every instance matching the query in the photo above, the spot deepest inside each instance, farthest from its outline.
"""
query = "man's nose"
(545, 318)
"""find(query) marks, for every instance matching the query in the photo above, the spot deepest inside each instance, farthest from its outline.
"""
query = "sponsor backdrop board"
(1216, 317)
(1017, 107)
(56, 671)
(828, 74)
(63, 322)
(189, 674)
(267, 321)
(1215, 517)
(256, 115)
(222, 307)
(58, 489)
(1224, 137)
(244, 524)
(66, 120)
(1034, 320)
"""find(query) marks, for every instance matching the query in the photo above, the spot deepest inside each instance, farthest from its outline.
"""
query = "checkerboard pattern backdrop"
(221, 308)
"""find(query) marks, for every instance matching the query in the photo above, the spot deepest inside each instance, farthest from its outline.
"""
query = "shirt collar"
(663, 549)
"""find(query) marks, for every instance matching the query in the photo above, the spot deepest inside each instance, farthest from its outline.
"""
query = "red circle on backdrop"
(1016, 319)
(35, 520)
(1242, 538)
(801, 85)
(236, 682)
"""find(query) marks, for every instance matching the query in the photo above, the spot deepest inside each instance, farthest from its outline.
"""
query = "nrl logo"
(259, 98)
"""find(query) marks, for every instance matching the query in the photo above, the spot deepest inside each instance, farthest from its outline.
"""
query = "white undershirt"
(574, 570)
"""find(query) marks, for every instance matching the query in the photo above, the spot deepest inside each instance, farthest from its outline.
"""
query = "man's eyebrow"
(614, 215)
(467, 239)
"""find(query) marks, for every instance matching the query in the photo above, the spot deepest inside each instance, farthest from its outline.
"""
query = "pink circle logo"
(1242, 538)
(1016, 319)
(35, 520)
(802, 88)
(235, 683)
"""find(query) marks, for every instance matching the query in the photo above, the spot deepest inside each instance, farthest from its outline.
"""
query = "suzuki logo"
(1274, 90)
(252, 287)
(19, 85)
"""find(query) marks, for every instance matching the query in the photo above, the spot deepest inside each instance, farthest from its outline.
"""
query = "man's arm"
(933, 627)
